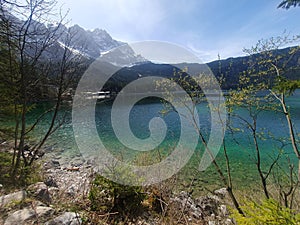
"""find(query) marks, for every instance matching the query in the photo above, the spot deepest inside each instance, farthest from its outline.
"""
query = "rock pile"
(65, 183)
(23, 207)
(209, 209)
(33, 205)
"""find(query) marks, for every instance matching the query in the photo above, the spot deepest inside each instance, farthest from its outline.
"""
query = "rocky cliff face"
(53, 39)
(89, 43)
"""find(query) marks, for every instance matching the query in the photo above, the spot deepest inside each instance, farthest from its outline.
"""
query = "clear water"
(240, 145)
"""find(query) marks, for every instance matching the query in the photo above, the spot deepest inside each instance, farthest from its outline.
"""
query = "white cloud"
(206, 27)
(129, 19)
(223, 48)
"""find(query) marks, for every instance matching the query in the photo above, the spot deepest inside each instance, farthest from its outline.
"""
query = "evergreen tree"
(286, 4)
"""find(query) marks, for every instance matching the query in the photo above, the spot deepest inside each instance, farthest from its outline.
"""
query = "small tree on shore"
(278, 74)
(29, 67)
(246, 98)
(197, 96)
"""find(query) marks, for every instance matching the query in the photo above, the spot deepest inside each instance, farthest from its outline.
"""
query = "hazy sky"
(207, 27)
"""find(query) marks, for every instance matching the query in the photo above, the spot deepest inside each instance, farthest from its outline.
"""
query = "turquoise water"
(239, 145)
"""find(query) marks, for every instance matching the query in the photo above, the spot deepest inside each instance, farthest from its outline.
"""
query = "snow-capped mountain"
(122, 56)
(97, 43)
(89, 44)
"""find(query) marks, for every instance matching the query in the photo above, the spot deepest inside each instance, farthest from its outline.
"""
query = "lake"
(271, 124)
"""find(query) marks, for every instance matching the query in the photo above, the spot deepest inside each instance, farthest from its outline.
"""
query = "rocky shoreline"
(65, 187)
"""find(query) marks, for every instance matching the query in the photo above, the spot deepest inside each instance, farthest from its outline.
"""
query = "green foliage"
(247, 96)
(268, 61)
(269, 212)
(106, 195)
(9, 95)
(286, 86)
(24, 176)
(31, 174)
(5, 162)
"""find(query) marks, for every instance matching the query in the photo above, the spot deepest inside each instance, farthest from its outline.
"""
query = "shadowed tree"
(286, 4)
(28, 67)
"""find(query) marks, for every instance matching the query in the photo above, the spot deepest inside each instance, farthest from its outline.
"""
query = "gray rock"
(205, 210)
(184, 202)
(27, 214)
(209, 205)
(69, 183)
(222, 192)
(13, 197)
(53, 191)
(229, 222)
(38, 203)
(223, 210)
(52, 164)
(77, 162)
(55, 163)
(40, 192)
(41, 153)
(68, 218)
(50, 182)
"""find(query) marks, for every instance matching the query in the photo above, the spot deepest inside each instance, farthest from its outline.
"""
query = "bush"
(5, 162)
(24, 176)
(106, 195)
(269, 212)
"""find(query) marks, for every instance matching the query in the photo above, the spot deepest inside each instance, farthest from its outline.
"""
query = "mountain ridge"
(92, 44)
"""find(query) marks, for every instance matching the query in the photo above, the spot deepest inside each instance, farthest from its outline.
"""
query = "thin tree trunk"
(16, 132)
(57, 106)
(258, 165)
(229, 183)
(21, 141)
(291, 132)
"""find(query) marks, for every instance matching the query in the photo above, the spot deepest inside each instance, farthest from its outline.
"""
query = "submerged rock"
(52, 164)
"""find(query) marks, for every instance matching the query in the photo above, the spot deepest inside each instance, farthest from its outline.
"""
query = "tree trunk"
(291, 132)
(258, 163)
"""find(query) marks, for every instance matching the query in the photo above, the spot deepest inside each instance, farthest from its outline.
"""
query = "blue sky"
(206, 27)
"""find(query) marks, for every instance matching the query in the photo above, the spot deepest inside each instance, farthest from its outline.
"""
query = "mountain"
(230, 69)
(86, 42)
(91, 45)
(128, 74)
(95, 44)
(123, 56)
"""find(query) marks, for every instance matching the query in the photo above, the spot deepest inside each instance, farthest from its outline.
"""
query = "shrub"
(24, 176)
(267, 213)
(106, 195)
